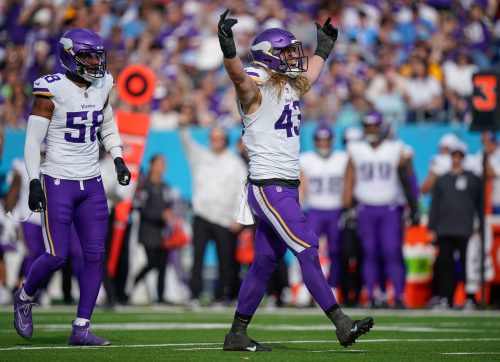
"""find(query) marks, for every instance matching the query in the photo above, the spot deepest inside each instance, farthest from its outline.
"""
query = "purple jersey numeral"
(51, 78)
(80, 127)
(285, 120)
(97, 119)
(379, 170)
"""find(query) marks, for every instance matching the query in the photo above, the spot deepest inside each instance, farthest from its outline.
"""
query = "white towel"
(245, 216)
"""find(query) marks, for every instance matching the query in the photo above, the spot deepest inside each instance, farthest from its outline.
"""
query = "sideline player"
(376, 166)
(71, 111)
(322, 183)
(268, 96)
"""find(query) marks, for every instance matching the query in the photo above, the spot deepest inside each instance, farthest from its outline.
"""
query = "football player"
(322, 183)
(268, 98)
(71, 111)
(375, 168)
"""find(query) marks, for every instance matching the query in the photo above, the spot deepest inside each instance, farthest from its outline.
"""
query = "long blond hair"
(278, 81)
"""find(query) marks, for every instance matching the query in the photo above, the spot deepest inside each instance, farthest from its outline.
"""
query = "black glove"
(36, 200)
(414, 218)
(122, 172)
(327, 35)
(225, 34)
(348, 219)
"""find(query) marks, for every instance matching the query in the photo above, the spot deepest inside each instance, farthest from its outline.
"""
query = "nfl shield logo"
(278, 188)
(57, 182)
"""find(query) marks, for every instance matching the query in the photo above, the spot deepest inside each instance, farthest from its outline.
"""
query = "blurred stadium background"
(413, 61)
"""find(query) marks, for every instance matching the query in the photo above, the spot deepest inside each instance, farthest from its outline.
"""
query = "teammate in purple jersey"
(375, 168)
(71, 112)
(268, 95)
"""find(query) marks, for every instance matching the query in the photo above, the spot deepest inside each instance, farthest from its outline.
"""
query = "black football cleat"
(241, 342)
(348, 335)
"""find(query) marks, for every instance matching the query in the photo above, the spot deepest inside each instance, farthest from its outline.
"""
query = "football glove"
(122, 172)
(36, 199)
(226, 39)
(327, 35)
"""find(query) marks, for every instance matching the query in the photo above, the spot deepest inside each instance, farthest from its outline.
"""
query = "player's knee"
(309, 255)
(93, 254)
(92, 257)
(54, 262)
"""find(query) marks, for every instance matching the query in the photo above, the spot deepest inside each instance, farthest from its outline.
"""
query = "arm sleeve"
(110, 137)
(35, 134)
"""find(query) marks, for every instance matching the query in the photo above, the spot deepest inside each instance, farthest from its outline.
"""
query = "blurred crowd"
(411, 60)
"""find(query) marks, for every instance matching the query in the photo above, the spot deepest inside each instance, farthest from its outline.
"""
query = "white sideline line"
(468, 353)
(340, 351)
(382, 340)
(262, 327)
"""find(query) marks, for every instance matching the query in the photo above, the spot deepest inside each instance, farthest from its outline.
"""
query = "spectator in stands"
(456, 202)
(425, 94)
(217, 176)
(458, 83)
(154, 200)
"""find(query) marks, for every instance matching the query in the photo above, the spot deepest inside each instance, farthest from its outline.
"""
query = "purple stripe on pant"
(326, 222)
(282, 224)
(379, 229)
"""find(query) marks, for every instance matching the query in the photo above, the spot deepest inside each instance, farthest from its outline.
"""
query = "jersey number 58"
(77, 121)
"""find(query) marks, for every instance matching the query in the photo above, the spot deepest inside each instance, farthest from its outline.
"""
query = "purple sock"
(90, 283)
(41, 271)
(314, 279)
(255, 284)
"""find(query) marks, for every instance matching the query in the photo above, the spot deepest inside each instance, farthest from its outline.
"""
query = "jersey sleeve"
(109, 83)
(41, 87)
(258, 75)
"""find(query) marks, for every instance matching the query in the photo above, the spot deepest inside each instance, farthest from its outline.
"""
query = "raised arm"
(327, 35)
(246, 90)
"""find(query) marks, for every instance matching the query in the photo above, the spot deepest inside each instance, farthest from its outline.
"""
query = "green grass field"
(139, 334)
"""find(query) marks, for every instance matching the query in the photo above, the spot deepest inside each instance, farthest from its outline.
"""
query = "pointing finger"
(327, 22)
(224, 14)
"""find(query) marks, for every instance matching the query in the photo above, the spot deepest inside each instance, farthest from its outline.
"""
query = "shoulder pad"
(259, 75)
(44, 86)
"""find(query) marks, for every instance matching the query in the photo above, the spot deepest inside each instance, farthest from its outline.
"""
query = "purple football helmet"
(280, 51)
(81, 52)
(323, 131)
(374, 126)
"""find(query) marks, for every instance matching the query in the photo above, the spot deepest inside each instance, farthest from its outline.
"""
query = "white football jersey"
(72, 146)
(271, 134)
(376, 171)
(325, 179)
(21, 210)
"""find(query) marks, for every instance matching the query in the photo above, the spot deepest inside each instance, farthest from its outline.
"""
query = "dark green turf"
(400, 344)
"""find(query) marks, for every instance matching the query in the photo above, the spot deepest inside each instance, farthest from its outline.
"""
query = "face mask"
(324, 152)
(372, 138)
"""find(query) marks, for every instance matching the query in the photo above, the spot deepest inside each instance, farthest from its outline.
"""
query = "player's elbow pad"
(110, 137)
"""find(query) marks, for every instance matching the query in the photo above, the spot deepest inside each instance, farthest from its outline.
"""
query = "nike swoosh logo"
(99, 179)
(37, 83)
(252, 349)
(21, 325)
